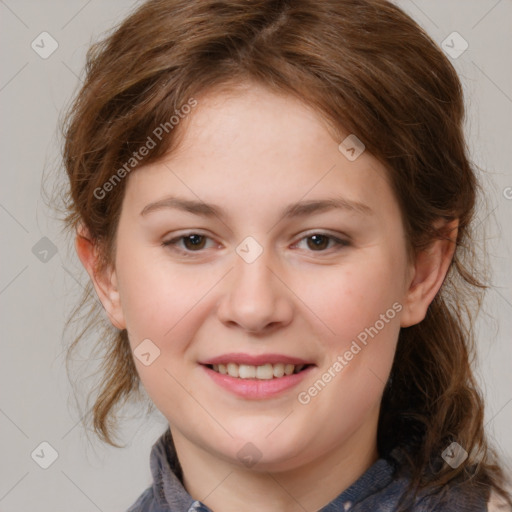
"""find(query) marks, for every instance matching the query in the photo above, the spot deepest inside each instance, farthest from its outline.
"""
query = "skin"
(253, 152)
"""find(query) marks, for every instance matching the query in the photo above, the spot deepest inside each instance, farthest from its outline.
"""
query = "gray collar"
(380, 488)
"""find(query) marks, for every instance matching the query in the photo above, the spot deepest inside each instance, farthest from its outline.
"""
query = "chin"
(262, 452)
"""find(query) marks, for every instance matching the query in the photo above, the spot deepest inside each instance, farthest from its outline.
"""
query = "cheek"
(166, 305)
(156, 297)
(360, 312)
(352, 297)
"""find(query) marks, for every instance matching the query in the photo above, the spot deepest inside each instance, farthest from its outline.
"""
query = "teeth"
(246, 371)
(288, 369)
(263, 372)
(232, 369)
(278, 370)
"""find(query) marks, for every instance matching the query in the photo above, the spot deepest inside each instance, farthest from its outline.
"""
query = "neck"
(228, 487)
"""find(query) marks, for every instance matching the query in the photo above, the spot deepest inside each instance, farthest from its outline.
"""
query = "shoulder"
(145, 502)
(467, 497)
(461, 494)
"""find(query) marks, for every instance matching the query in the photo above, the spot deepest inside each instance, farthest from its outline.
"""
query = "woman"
(274, 203)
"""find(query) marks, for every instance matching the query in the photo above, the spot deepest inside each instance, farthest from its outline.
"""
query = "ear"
(428, 273)
(104, 281)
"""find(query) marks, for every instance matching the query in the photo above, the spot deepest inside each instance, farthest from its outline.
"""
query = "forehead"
(252, 147)
(249, 118)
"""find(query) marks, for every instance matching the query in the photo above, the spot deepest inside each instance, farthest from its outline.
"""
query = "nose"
(256, 297)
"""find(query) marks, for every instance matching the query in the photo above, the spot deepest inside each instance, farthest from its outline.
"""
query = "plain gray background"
(36, 296)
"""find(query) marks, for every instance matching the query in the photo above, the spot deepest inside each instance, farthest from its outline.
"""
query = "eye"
(193, 242)
(318, 242)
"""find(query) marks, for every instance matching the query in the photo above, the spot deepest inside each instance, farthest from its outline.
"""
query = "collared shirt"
(379, 489)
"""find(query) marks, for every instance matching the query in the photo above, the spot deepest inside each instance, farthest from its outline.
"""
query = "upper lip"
(254, 360)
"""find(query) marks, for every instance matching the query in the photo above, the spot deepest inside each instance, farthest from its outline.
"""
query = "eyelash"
(173, 243)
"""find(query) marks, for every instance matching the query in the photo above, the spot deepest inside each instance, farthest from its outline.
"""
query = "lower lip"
(257, 388)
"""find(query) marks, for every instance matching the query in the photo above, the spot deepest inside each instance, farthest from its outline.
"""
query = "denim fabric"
(379, 489)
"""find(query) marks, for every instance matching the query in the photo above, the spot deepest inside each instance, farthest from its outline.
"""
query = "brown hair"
(368, 69)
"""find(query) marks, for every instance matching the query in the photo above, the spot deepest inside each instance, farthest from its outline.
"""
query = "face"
(267, 318)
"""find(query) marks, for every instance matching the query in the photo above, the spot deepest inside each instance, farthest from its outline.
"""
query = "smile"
(265, 371)
(257, 377)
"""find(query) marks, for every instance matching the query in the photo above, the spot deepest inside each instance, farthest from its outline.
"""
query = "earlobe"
(104, 280)
(430, 269)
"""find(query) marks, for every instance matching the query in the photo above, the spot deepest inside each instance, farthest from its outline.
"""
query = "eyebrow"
(298, 209)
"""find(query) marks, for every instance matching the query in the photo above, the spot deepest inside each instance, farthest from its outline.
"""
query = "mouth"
(267, 371)
(257, 377)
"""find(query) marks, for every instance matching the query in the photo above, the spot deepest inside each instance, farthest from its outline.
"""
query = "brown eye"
(318, 242)
(187, 244)
(321, 242)
(194, 241)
